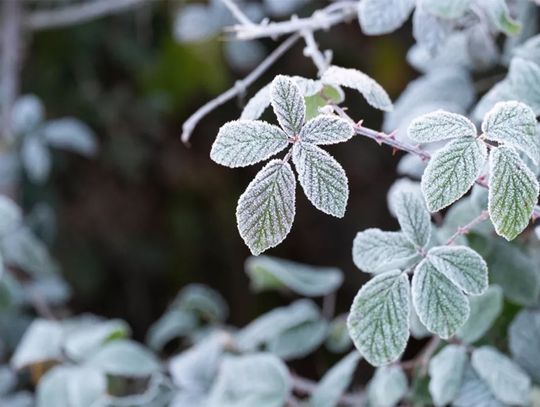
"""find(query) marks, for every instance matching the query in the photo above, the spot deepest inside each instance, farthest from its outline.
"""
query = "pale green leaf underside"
(446, 370)
(440, 125)
(326, 129)
(447, 8)
(265, 211)
(246, 142)
(383, 16)
(388, 386)
(513, 123)
(378, 322)
(452, 171)
(441, 306)
(524, 339)
(299, 341)
(462, 266)
(374, 93)
(375, 251)
(484, 311)
(322, 178)
(288, 104)
(475, 392)
(513, 192)
(413, 217)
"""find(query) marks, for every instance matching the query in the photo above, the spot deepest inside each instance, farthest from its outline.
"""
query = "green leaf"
(125, 358)
(462, 266)
(513, 192)
(388, 386)
(524, 341)
(413, 217)
(260, 380)
(440, 125)
(246, 142)
(265, 211)
(329, 94)
(379, 318)
(375, 251)
(378, 17)
(326, 129)
(298, 341)
(322, 178)
(452, 171)
(267, 272)
(334, 382)
(374, 93)
(446, 370)
(288, 104)
(34, 349)
(447, 8)
(484, 311)
(508, 382)
(441, 306)
(514, 124)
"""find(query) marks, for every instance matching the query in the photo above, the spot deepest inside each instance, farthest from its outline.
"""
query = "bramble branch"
(463, 230)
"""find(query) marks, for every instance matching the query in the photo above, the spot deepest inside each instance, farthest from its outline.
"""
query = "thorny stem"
(463, 230)
(312, 51)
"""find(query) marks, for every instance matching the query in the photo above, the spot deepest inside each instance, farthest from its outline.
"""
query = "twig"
(237, 13)
(239, 87)
(424, 356)
(78, 13)
(312, 51)
(11, 45)
(463, 230)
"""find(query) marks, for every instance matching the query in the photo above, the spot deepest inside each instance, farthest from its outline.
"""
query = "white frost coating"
(447, 8)
(484, 311)
(256, 106)
(524, 339)
(266, 209)
(374, 93)
(524, 82)
(475, 392)
(413, 217)
(259, 379)
(462, 266)
(335, 381)
(326, 129)
(441, 306)
(267, 272)
(498, 14)
(452, 171)
(308, 87)
(375, 251)
(508, 382)
(513, 123)
(288, 104)
(34, 349)
(388, 386)
(298, 341)
(322, 178)
(383, 16)
(431, 34)
(378, 322)
(513, 192)
(446, 370)
(440, 125)
(246, 142)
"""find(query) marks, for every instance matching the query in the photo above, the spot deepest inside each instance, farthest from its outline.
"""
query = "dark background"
(148, 215)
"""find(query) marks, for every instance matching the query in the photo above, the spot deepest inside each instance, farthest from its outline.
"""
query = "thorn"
(394, 151)
(360, 122)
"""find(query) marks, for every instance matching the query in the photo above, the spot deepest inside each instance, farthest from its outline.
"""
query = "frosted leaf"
(397, 188)
(266, 327)
(308, 87)
(383, 16)
(413, 217)
(475, 392)
(499, 15)
(245, 142)
(267, 273)
(326, 129)
(441, 306)
(375, 251)
(202, 301)
(462, 266)
(417, 328)
(288, 104)
(322, 178)
(513, 123)
(256, 106)
(299, 341)
(513, 192)
(70, 134)
(27, 113)
(33, 349)
(429, 31)
(10, 215)
(175, 323)
(374, 93)
(36, 159)
(452, 171)
(440, 125)
(529, 50)
(334, 382)
(508, 382)
(265, 211)
(484, 311)
(338, 339)
(388, 386)
(447, 8)
(524, 82)
(524, 341)
(411, 165)
(446, 370)
(378, 321)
